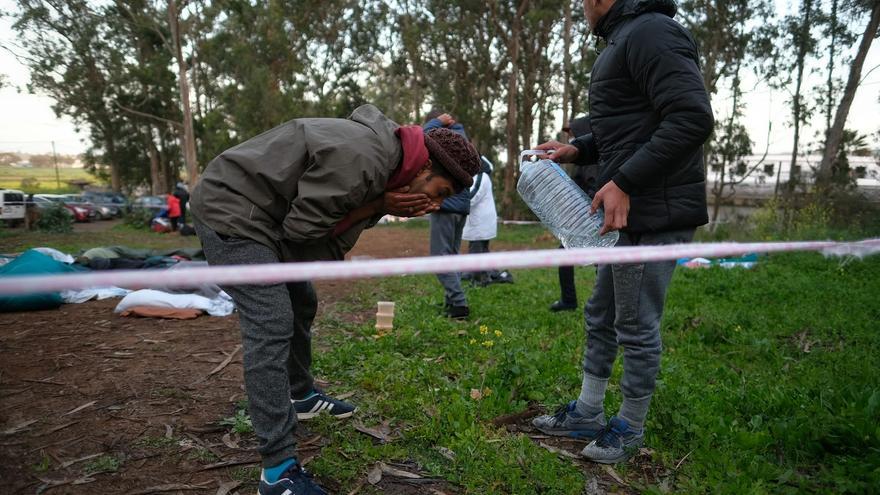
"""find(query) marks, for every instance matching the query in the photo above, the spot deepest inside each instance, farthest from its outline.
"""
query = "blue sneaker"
(320, 403)
(566, 422)
(294, 481)
(616, 443)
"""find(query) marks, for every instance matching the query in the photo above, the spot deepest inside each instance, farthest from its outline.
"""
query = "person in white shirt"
(482, 225)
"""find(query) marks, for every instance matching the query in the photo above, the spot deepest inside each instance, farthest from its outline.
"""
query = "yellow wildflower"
(484, 329)
(473, 341)
(488, 343)
(498, 333)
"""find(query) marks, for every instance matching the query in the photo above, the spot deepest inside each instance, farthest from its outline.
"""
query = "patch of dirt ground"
(80, 383)
(81, 387)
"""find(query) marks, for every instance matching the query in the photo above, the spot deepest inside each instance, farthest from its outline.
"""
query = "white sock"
(591, 403)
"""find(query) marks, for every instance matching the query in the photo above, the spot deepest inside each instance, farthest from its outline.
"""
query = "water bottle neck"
(524, 156)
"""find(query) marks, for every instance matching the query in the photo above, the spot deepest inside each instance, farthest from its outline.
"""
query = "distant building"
(756, 179)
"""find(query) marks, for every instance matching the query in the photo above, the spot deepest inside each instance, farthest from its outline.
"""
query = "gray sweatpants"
(625, 310)
(446, 229)
(276, 323)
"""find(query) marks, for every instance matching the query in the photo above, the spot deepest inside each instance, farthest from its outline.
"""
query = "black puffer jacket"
(650, 116)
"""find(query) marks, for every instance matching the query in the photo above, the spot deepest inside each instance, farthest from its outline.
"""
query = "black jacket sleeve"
(588, 152)
(662, 60)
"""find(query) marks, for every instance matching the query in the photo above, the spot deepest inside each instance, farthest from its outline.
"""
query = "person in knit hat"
(304, 191)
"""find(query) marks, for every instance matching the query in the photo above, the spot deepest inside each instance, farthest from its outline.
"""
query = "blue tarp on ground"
(33, 263)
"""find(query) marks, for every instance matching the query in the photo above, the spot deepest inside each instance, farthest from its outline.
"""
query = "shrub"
(139, 218)
(56, 220)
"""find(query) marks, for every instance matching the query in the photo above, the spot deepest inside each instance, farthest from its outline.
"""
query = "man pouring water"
(650, 115)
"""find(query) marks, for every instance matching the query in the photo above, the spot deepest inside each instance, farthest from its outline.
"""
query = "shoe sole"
(307, 416)
(617, 460)
(580, 435)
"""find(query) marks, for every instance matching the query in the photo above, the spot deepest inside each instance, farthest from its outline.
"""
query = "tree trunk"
(835, 133)
(832, 51)
(566, 71)
(110, 155)
(155, 175)
(189, 140)
(510, 172)
(797, 110)
(165, 176)
(718, 188)
(115, 179)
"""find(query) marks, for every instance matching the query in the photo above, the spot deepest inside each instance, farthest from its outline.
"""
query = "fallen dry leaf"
(561, 452)
(611, 472)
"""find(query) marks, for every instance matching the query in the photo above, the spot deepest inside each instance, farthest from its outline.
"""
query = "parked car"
(11, 206)
(79, 213)
(108, 203)
(77, 201)
(102, 212)
(153, 203)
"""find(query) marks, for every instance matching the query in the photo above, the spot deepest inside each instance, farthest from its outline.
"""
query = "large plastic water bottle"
(560, 204)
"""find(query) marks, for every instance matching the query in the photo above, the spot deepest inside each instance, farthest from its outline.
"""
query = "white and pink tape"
(291, 272)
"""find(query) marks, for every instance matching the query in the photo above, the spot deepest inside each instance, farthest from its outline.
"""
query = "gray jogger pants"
(625, 310)
(276, 323)
(446, 229)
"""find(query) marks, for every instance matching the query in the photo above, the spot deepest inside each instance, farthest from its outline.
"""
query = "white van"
(11, 206)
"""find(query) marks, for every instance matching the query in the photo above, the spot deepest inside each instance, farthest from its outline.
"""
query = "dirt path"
(81, 383)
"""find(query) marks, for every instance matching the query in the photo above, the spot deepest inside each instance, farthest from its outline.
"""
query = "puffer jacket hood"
(623, 9)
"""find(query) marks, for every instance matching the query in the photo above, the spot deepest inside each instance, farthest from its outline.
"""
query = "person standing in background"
(182, 194)
(173, 210)
(447, 225)
(585, 177)
(482, 225)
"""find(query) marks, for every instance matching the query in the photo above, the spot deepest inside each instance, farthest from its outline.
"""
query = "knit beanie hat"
(454, 153)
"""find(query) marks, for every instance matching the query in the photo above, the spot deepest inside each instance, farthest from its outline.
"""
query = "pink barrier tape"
(291, 272)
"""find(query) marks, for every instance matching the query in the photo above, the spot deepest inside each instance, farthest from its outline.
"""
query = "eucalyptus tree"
(836, 132)
(69, 59)
(802, 44)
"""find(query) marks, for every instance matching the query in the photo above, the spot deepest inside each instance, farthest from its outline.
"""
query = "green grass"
(156, 442)
(11, 178)
(770, 382)
(103, 464)
(18, 240)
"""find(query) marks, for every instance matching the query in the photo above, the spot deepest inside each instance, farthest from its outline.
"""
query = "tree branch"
(760, 162)
(869, 73)
(147, 115)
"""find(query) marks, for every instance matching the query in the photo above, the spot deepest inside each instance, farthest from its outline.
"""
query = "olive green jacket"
(288, 187)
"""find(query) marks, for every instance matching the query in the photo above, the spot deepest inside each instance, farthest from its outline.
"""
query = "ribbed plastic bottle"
(560, 204)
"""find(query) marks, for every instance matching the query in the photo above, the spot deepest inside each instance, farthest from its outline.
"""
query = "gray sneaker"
(616, 443)
(566, 422)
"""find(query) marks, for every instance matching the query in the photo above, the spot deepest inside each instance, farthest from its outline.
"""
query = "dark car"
(153, 203)
(108, 204)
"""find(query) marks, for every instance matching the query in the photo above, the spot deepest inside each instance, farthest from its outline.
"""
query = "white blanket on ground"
(81, 296)
(221, 305)
(56, 254)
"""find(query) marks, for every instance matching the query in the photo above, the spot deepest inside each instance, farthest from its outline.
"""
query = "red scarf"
(415, 155)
